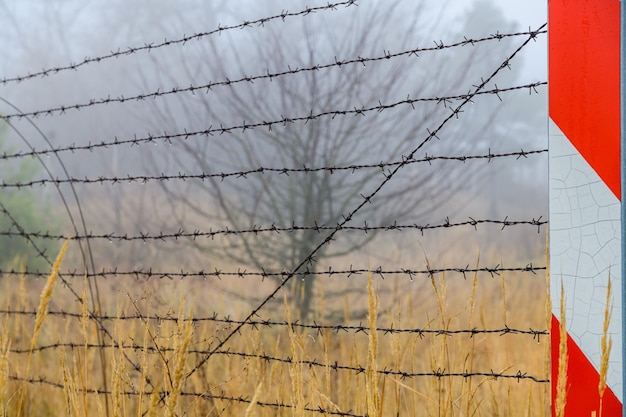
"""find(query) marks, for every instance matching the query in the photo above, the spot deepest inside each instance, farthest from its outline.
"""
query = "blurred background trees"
(424, 193)
(28, 208)
(318, 196)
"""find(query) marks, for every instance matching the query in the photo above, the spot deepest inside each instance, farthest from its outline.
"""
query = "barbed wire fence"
(323, 234)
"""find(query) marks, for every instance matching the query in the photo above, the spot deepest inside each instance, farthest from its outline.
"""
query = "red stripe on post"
(583, 396)
(584, 80)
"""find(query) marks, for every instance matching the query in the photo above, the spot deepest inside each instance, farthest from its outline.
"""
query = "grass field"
(52, 364)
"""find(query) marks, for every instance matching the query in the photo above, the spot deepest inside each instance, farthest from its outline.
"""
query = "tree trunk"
(303, 291)
(303, 286)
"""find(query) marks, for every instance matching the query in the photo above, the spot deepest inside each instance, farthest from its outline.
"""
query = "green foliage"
(30, 210)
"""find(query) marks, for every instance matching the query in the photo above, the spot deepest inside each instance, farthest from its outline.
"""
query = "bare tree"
(327, 142)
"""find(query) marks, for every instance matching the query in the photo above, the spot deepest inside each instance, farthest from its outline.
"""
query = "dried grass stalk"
(185, 328)
(42, 312)
(561, 384)
(5, 345)
(606, 344)
(371, 385)
(46, 294)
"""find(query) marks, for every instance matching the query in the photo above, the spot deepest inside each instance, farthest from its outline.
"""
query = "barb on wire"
(366, 199)
(183, 40)
(285, 275)
(143, 179)
(211, 234)
(250, 79)
(283, 121)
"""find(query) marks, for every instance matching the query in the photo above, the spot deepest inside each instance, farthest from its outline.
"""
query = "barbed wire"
(308, 260)
(301, 270)
(183, 40)
(203, 395)
(283, 275)
(211, 234)
(284, 121)
(250, 79)
(241, 399)
(438, 373)
(356, 111)
(144, 179)
(335, 366)
(256, 324)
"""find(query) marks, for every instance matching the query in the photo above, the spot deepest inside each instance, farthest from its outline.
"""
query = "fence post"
(586, 213)
(623, 180)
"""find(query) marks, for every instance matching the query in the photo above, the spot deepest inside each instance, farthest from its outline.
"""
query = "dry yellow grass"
(42, 311)
(5, 344)
(605, 345)
(561, 383)
(283, 369)
(372, 394)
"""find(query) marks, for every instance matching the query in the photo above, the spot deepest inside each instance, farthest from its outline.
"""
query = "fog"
(247, 126)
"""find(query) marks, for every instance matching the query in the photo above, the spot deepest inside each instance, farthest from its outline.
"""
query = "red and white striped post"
(586, 226)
